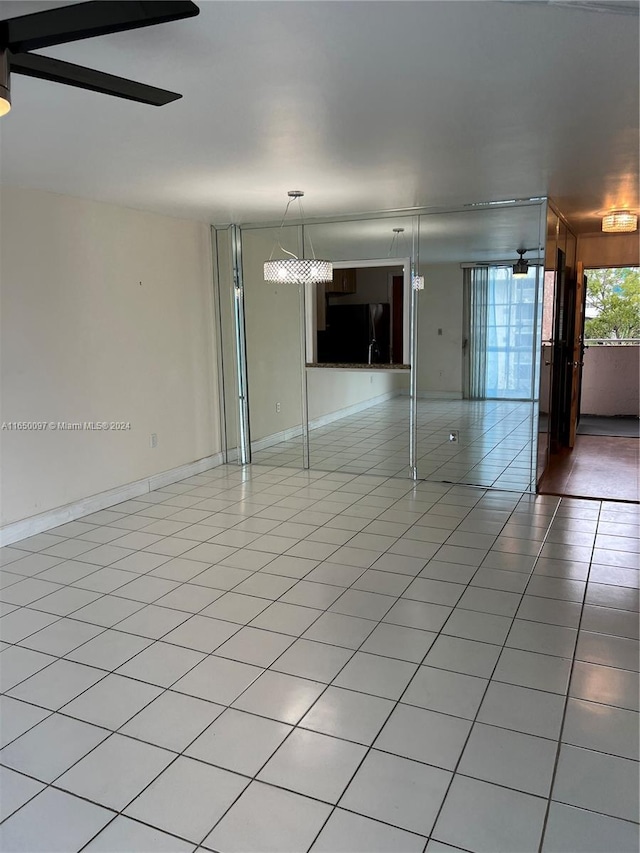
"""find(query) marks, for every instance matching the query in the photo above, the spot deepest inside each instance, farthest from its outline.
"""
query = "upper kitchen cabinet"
(344, 281)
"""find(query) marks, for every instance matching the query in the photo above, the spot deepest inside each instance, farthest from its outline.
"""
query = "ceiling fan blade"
(46, 68)
(86, 20)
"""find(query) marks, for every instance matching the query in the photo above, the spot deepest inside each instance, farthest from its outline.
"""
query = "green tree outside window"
(614, 296)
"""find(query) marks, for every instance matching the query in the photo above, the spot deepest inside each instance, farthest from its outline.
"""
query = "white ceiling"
(364, 105)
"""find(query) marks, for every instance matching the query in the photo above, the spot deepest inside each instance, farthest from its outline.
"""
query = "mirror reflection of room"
(475, 364)
(359, 316)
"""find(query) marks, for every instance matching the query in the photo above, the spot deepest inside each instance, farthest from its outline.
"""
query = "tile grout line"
(566, 698)
(396, 704)
(475, 718)
(294, 728)
(326, 609)
(141, 709)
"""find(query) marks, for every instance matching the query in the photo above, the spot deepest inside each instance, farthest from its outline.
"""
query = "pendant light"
(395, 242)
(295, 270)
(417, 281)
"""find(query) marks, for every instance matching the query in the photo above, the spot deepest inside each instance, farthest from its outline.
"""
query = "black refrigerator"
(356, 334)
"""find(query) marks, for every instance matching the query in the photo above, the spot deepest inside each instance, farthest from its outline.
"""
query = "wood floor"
(600, 467)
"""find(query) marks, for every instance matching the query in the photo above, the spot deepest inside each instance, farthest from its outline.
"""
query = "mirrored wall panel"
(225, 308)
(273, 350)
(358, 347)
(372, 374)
(478, 354)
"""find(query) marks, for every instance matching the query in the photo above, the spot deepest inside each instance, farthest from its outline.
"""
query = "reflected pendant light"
(619, 222)
(521, 267)
(5, 87)
(295, 270)
(417, 281)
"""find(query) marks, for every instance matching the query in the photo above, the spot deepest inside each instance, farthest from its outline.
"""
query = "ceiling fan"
(19, 36)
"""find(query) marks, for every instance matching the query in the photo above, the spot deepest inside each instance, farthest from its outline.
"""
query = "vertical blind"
(501, 313)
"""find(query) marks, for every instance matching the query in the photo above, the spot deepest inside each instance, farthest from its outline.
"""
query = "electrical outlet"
(454, 436)
(277, 408)
(153, 440)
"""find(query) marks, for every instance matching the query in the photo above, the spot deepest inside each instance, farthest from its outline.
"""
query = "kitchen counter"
(339, 366)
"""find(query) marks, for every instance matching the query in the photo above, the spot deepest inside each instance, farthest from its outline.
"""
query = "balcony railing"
(612, 342)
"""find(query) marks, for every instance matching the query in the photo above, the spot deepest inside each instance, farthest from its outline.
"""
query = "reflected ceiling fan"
(19, 36)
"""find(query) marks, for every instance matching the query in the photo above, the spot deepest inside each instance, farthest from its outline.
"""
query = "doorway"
(594, 423)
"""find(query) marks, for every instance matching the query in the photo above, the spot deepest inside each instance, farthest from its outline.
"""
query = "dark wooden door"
(577, 351)
(397, 321)
(560, 377)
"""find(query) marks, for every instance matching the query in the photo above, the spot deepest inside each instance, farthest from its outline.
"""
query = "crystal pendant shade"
(295, 270)
(619, 221)
(298, 271)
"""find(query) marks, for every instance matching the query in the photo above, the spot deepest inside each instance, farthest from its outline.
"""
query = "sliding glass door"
(501, 332)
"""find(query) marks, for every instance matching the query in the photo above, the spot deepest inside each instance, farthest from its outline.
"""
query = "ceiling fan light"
(619, 221)
(521, 267)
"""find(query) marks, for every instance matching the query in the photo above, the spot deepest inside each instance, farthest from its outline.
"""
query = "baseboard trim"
(435, 395)
(276, 438)
(439, 395)
(323, 420)
(18, 530)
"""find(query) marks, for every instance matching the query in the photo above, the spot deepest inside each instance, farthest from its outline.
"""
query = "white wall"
(440, 307)
(272, 323)
(610, 381)
(331, 390)
(106, 315)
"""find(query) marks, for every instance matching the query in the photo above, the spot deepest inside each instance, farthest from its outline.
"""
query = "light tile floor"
(494, 446)
(266, 660)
